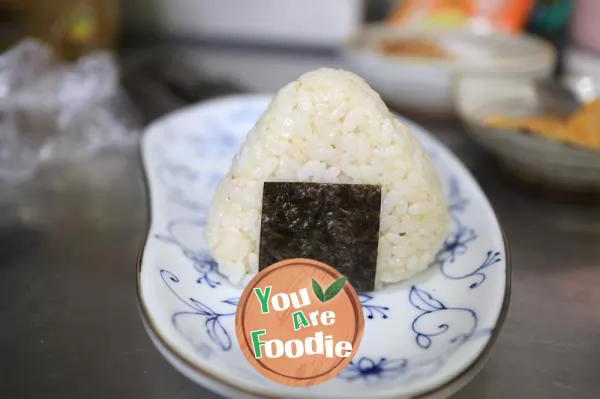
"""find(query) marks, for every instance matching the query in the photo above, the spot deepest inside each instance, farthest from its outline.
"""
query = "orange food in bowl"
(584, 125)
(582, 128)
(413, 47)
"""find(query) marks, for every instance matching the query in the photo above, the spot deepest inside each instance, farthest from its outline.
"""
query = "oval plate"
(425, 337)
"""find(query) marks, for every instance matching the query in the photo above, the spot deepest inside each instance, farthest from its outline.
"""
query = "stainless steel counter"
(69, 326)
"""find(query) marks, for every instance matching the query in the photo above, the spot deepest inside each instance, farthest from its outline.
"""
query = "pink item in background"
(585, 27)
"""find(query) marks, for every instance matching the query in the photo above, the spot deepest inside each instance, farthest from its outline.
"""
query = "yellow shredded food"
(413, 47)
(582, 128)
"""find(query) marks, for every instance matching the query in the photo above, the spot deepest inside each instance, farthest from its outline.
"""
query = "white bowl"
(424, 86)
(424, 337)
(529, 156)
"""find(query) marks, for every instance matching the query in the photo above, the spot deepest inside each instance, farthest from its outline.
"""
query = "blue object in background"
(550, 16)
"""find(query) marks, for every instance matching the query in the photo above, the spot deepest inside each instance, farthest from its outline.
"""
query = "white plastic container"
(315, 23)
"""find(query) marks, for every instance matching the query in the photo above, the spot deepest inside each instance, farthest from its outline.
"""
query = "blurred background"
(424, 57)
(510, 86)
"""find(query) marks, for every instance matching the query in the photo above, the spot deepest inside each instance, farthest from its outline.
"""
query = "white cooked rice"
(329, 126)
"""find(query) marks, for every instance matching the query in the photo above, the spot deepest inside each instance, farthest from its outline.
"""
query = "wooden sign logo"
(299, 322)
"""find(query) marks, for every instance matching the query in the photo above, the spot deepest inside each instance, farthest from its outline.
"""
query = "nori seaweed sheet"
(337, 224)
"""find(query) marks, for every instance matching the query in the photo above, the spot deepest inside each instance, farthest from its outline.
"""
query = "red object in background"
(504, 15)
(585, 28)
(512, 15)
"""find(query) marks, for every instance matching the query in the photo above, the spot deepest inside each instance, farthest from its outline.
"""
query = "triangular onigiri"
(329, 126)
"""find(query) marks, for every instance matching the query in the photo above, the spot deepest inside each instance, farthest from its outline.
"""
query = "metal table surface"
(69, 323)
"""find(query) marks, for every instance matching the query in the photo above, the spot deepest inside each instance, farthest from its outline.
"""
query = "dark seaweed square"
(337, 224)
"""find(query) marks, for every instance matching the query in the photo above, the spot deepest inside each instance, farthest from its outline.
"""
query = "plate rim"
(446, 389)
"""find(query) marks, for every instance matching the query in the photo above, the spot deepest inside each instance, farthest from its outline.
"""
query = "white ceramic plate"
(425, 85)
(423, 337)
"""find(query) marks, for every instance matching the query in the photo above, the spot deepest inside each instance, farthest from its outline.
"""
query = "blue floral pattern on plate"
(412, 329)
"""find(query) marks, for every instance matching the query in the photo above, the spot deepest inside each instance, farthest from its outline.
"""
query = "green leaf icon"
(317, 290)
(334, 289)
